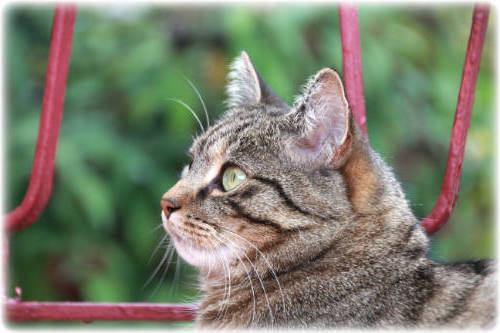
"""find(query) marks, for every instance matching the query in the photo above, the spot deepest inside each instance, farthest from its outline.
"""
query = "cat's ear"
(322, 119)
(246, 87)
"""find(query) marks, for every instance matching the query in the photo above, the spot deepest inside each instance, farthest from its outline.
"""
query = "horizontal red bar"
(85, 311)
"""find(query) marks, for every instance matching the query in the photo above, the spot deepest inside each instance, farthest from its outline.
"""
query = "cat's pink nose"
(169, 206)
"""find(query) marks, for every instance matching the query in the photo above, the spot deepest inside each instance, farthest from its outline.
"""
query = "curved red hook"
(451, 182)
(353, 77)
(40, 185)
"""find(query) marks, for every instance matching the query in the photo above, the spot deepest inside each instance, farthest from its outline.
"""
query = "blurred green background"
(122, 143)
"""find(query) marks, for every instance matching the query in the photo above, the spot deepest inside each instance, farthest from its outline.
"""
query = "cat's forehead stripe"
(221, 131)
(227, 134)
(229, 121)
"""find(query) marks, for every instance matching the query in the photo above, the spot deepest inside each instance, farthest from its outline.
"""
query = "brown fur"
(319, 234)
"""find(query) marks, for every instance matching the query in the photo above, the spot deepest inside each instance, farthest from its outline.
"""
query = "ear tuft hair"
(246, 88)
(321, 116)
(243, 83)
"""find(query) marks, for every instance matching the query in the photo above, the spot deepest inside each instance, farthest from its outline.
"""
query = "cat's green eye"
(232, 177)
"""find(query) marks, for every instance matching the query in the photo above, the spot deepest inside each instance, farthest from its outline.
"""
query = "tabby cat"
(294, 221)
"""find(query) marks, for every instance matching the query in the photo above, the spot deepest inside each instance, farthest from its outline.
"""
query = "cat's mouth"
(197, 246)
(184, 230)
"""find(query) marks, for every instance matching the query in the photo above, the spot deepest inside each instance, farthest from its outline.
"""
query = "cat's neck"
(372, 186)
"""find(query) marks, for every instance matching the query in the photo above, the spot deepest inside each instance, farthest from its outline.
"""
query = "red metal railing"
(451, 182)
(23, 311)
(351, 62)
(41, 178)
(353, 77)
(40, 185)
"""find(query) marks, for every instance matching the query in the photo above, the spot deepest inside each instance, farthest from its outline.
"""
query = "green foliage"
(122, 143)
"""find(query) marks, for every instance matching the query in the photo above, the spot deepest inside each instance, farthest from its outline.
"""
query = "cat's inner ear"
(322, 117)
(247, 88)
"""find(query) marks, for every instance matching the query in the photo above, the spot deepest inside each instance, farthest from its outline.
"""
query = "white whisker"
(223, 306)
(164, 273)
(189, 108)
(155, 228)
(265, 259)
(200, 98)
(162, 262)
(260, 280)
(175, 283)
(160, 243)
(248, 276)
(229, 286)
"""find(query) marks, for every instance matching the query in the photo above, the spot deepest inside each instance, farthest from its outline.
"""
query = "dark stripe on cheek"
(197, 227)
(240, 213)
(213, 225)
(277, 186)
(205, 191)
(202, 194)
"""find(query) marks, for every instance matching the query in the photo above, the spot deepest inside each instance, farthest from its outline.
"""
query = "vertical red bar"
(451, 182)
(40, 185)
(351, 62)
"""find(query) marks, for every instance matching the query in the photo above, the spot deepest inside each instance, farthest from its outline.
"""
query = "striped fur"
(322, 238)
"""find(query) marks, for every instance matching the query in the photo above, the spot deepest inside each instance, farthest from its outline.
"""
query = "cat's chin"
(211, 261)
(204, 258)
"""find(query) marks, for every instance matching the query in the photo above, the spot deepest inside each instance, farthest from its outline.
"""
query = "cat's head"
(267, 174)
